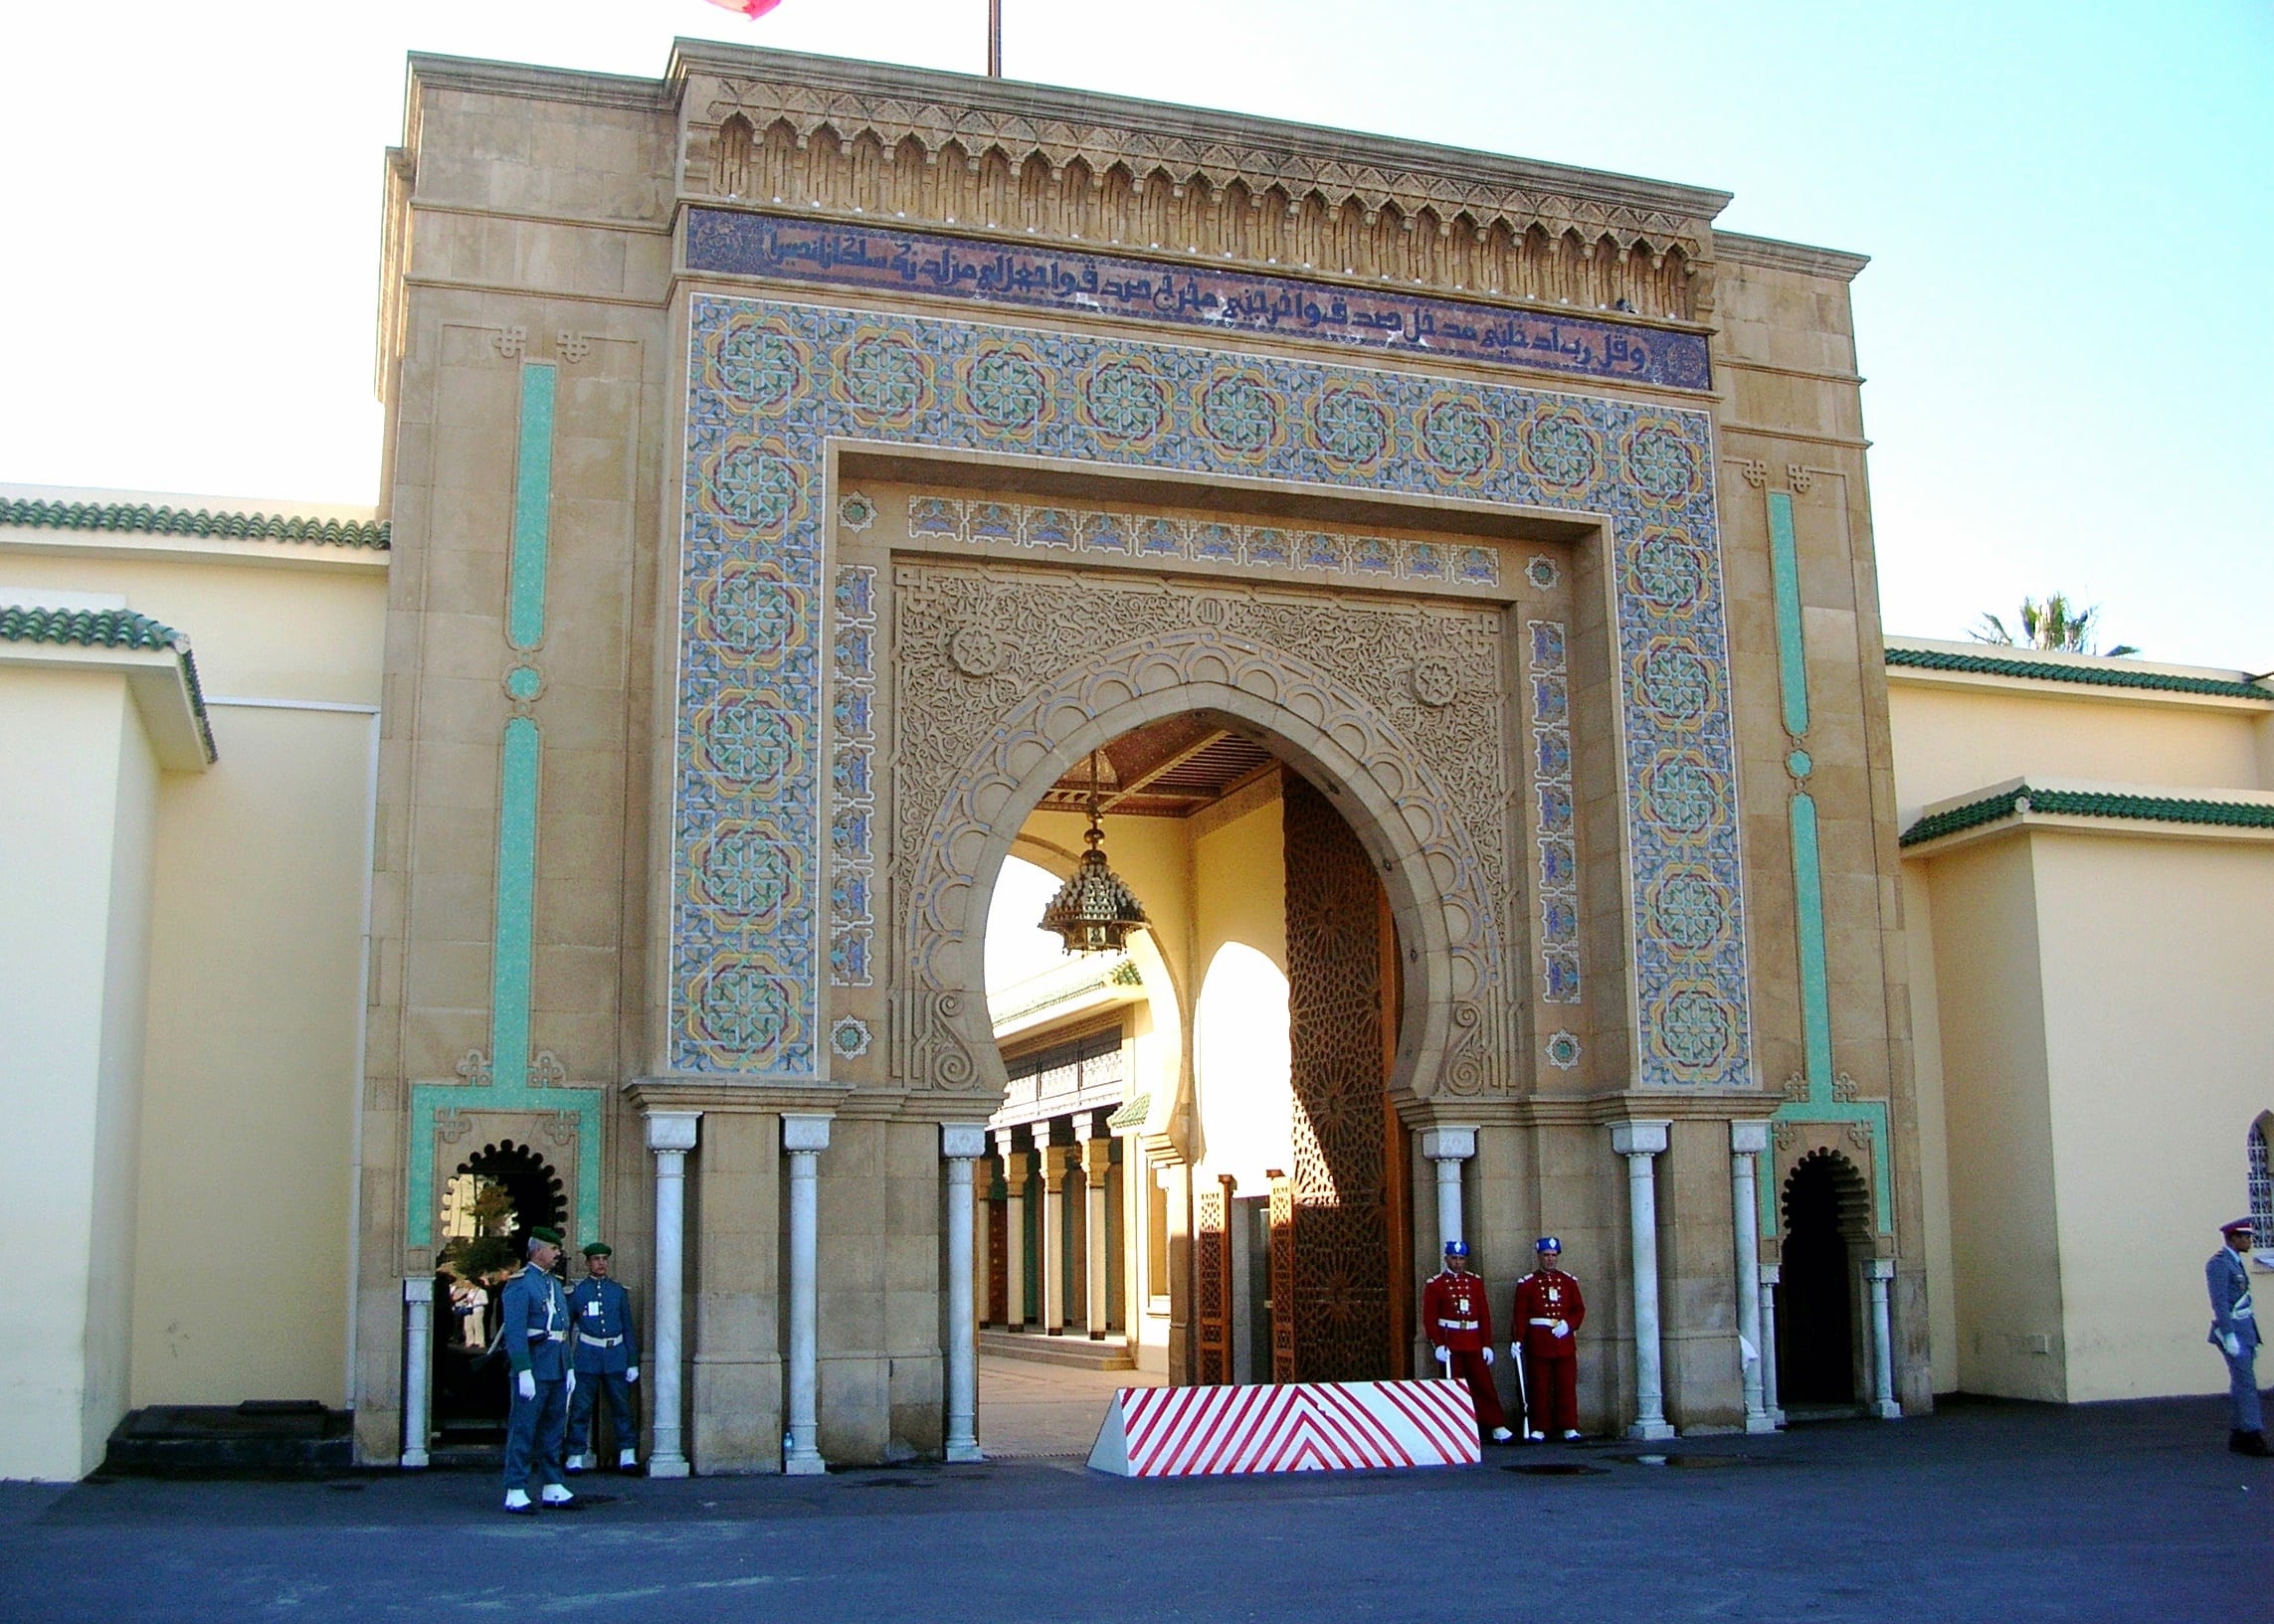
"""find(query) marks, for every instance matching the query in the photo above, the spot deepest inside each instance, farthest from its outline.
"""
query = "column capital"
(1005, 1139)
(418, 1287)
(672, 1129)
(1641, 1138)
(806, 1130)
(1880, 1267)
(1448, 1144)
(1084, 1124)
(1749, 1138)
(963, 1140)
(1772, 1274)
(1097, 1157)
(1015, 1165)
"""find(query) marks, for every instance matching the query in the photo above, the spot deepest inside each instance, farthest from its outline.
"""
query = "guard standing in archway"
(605, 1358)
(535, 1327)
(1458, 1319)
(1549, 1312)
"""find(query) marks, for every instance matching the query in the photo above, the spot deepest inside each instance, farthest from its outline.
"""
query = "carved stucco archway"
(955, 823)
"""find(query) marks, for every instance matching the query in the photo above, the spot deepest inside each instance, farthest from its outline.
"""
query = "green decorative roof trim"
(1132, 1114)
(109, 628)
(1939, 660)
(2090, 803)
(36, 514)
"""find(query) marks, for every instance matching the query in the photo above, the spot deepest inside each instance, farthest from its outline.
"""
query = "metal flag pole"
(993, 39)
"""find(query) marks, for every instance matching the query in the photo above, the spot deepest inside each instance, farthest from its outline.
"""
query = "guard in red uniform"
(1458, 1319)
(1549, 1313)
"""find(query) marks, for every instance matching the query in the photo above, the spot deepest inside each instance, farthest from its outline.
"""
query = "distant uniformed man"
(534, 1326)
(1458, 1321)
(1549, 1312)
(606, 1359)
(2235, 1332)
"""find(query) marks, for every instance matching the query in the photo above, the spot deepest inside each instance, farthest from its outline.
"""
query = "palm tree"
(2056, 625)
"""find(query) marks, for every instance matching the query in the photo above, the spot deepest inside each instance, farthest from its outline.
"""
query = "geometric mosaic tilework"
(1151, 538)
(770, 383)
(852, 791)
(1552, 807)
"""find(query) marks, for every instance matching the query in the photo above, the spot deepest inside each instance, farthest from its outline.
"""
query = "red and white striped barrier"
(1327, 1427)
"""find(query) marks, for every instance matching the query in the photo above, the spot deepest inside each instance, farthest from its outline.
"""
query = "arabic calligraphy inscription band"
(1088, 285)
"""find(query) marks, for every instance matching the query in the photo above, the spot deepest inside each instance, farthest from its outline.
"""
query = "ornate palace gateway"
(801, 472)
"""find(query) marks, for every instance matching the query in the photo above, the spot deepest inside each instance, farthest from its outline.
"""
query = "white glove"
(633, 1373)
(1444, 1357)
(1558, 1328)
(569, 1391)
(1488, 1355)
(2233, 1344)
(526, 1384)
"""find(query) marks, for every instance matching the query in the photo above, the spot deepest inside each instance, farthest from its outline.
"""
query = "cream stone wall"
(2091, 1008)
(2161, 1047)
(74, 853)
(238, 1118)
(1952, 739)
(2004, 1220)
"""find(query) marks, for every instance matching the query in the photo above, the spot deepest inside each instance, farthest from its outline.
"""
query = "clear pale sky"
(2067, 327)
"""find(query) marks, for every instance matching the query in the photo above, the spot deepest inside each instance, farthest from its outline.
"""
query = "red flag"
(752, 9)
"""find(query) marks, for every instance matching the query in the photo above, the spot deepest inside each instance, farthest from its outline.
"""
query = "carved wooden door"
(1211, 1284)
(1341, 1320)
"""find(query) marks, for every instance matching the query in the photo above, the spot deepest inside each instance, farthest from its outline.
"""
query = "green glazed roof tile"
(39, 514)
(1940, 660)
(109, 629)
(2091, 804)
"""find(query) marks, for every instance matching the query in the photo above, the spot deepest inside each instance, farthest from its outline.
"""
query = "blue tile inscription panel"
(738, 243)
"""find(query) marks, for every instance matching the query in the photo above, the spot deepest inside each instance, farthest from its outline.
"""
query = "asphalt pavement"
(1983, 1512)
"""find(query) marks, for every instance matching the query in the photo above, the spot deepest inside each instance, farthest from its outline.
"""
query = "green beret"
(600, 1248)
(551, 1237)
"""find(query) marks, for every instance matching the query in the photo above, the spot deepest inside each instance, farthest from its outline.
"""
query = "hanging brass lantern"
(1094, 911)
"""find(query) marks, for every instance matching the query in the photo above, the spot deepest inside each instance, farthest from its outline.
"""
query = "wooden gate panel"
(1342, 1319)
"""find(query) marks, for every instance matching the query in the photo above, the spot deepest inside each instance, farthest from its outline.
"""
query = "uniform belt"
(598, 1342)
(1544, 1322)
(1456, 1325)
(541, 1334)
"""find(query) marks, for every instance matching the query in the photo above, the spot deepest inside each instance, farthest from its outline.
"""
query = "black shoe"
(2249, 1443)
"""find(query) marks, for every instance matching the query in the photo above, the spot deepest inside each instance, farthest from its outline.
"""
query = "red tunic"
(1542, 1297)
(1455, 1313)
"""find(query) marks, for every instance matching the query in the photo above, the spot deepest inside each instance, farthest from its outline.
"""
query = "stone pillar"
(1640, 1143)
(1449, 1148)
(1057, 1158)
(1747, 1139)
(805, 1137)
(418, 1367)
(961, 1144)
(670, 1135)
(1014, 1231)
(1771, 1274)
(1880, 1270)
(1096, 1164)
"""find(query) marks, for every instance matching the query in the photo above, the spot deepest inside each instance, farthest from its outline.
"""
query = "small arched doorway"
(1826, 1226)
(489, 1205)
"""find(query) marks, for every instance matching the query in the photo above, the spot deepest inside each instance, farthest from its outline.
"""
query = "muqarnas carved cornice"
(864, 140)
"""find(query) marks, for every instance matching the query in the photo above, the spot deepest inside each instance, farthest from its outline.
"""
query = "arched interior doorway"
(1826, 1235)
(489, 1205)
(1272, 946)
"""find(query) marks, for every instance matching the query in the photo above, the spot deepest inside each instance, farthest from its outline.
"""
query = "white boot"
(576, 1463)
(556, 1495)
(627, 1459)
(1571, 1434)
(1501, 1435)
(518, 1499)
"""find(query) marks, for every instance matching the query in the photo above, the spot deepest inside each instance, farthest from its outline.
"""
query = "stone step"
(1075, 1349)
